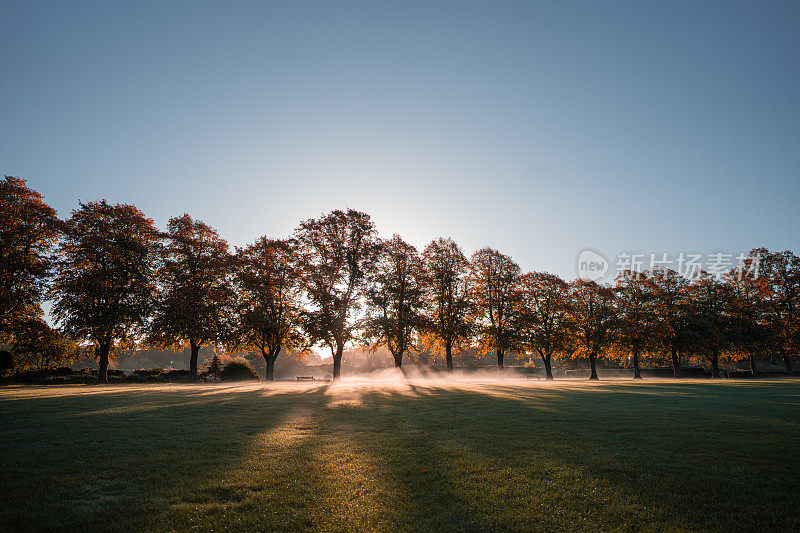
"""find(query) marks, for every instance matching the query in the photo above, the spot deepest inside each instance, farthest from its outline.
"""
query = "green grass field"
(402, 456)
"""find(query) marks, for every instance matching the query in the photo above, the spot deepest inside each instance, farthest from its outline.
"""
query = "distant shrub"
(175, 375)
(238, 371)
(155, 375)
(28, 376)
(148, 371)
(746, 374)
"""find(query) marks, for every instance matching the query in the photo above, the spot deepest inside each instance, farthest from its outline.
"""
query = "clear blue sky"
(540, 128)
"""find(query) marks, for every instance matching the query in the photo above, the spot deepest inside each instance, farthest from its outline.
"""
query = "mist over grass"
(403, 453)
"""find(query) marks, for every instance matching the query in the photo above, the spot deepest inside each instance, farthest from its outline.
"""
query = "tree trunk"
(448, 355)
(270, 372)
(195, 349)
(273, 356)
(102, 354)
(500, 358)
(547, 367)
(270, 357)
(753, 369)
(636, 373)
(337, 362)
(592, 357)
(715, 366)
(787, 362)
(676, 364)
(398, 360)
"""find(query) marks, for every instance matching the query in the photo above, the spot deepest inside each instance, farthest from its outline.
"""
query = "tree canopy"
(29, 228)
(594, 314)
(544, 318)
(194, 291)
(268, 306)
(494, 278)
(104, 281)
(337, 252)
(394, 298)
(445, 296)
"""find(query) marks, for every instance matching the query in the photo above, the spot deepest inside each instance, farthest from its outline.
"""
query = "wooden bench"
(305, 378)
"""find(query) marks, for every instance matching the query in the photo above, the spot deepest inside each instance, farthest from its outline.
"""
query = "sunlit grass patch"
(398, 455)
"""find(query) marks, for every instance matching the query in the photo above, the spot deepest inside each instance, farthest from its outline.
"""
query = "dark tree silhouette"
(268, 307)
(104, 278)
(781, 271)
(594, 316)
(750, 328)
(29, 229)
(215, 366)
(194, 304)
(394, 299)
(337, 252)
(446, 296)
(544, 317)
(636, 318)
(39, 346)
(669, 292)
(494, 278)
(707, 321)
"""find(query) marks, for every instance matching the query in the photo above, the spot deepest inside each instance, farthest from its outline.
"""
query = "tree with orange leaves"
(445, 296)
(594, 315)
(268, 308)
(394, 299)
(195, 296)
(544, 319)
(494, 287)
(781, 272)
(29, 228)
(707, 325)
(103, 287)
(669, 297)
(636, 320)
(752, 329)
(337, 252)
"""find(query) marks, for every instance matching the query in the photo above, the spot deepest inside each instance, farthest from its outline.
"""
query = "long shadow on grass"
(122, 458)
(659, 455)
(684, 458)
(385, 470)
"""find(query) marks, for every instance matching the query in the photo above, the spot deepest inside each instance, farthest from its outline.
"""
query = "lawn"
(393, 455)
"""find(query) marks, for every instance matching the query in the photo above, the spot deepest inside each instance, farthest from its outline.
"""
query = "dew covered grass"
(402, 455)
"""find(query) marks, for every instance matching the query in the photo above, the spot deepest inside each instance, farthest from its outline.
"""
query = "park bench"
(305, 378)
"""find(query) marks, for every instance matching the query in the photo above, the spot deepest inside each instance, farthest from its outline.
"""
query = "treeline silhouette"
(115, 279)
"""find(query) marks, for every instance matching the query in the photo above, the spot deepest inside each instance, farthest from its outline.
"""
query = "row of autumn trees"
(114, 278)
